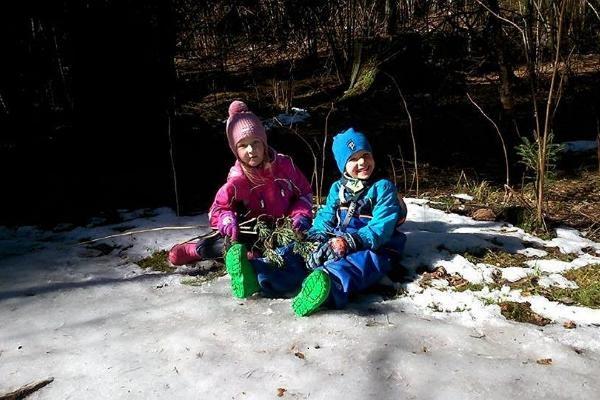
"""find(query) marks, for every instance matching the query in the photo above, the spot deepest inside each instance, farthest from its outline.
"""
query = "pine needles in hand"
(272, 236)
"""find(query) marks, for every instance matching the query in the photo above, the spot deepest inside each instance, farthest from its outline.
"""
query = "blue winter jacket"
(380, 210)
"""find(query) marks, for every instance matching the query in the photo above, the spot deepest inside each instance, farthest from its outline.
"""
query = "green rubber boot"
(243, 277)
(314, 292)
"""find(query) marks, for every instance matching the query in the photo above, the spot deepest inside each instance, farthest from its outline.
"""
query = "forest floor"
(469, 162)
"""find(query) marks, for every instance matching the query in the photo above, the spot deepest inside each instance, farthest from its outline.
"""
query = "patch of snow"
(557, 280)
(460, 265)
(579, 146)
(550, 266)
(463, 196)
(513, 274)
(531, 252)
(561, 312)
(569, 240)
(105, 328)
(297, 116)
(557, 266)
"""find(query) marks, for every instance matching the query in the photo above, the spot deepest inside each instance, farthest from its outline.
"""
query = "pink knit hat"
(242, 123)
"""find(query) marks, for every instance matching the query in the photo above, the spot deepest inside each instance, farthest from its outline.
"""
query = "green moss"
(488, 301)
(473, 287)
(521, 312)
(588, 293)
(496, 257)
(157, 262)
(365, 80)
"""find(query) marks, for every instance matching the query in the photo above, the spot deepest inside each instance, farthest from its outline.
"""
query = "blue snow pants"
(282, 281)
(361, 269)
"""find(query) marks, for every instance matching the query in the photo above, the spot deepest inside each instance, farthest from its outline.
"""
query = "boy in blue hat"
(357, 228)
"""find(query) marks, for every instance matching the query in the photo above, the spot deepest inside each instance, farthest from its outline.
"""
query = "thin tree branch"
(412, 133)
(164, 228)
(593, 9)
(324, 152)
(499, 135)
(501, 17)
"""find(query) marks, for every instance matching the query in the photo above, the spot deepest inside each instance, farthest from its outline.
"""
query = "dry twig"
(26, 390)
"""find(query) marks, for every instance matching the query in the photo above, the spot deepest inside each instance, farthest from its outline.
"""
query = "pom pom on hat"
(237, 107)
(241, 124)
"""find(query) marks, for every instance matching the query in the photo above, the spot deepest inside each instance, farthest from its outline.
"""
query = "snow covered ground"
(105, 328)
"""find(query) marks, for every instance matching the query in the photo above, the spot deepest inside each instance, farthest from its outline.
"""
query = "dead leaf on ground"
(281, 392)
(544, 361)
(570, 325)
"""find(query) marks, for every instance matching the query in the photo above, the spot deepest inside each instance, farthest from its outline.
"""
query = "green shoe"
(243, 277)
(314, 292)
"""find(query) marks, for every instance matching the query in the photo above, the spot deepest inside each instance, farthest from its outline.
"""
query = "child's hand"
(228, 226)
(339, 246)
(334, 249)
(344, 244)
(320, 256)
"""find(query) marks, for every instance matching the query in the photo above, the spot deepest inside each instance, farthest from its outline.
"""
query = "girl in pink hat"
(261, 182)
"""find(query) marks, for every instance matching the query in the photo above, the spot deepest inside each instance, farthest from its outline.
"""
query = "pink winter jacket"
(284, 192)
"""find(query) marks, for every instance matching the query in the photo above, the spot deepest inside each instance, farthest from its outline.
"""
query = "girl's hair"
(251, 172)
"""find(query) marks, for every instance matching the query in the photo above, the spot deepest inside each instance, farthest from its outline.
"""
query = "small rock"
(567, 300)
(483, 214)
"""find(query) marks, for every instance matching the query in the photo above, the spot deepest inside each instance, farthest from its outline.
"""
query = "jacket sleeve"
(386, 214)
(302, 205)
(325, 219)
(224, 203)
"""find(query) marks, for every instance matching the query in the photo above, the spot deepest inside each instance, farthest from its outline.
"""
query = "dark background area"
(86, 91)
(92, 92)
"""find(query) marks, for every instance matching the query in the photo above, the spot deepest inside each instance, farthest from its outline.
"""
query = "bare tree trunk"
(531, 56)
(598, 142)
(391, 17)
(501, 54)
(543, 140)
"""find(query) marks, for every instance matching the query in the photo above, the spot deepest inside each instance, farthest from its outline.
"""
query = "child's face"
(360, 165)
(251, 151)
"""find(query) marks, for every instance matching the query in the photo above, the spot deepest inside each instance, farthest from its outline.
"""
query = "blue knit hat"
(346, 144)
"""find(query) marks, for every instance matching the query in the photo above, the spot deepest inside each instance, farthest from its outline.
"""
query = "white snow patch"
(513, 274)
(104, 328)
(570, 241)
(532, 252)
(557, 280)
(463, 196)
(580, 146)
(296, 116)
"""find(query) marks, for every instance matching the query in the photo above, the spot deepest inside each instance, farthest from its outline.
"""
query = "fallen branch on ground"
(168, 228)
(26, 390)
